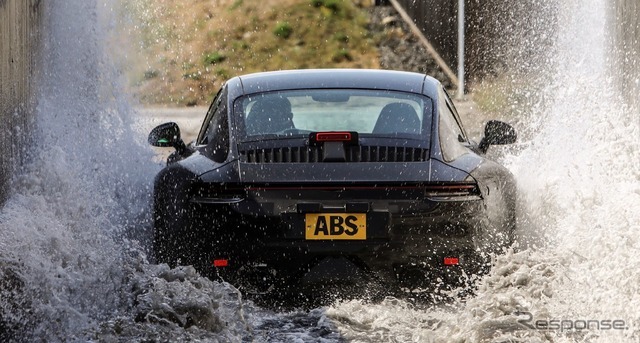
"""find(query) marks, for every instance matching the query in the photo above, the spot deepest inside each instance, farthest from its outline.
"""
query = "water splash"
(586, 157)
(85, 184)
(72, 267)
(578, 179)
(72, 258)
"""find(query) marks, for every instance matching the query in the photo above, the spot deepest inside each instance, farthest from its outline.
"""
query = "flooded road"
(75, 233)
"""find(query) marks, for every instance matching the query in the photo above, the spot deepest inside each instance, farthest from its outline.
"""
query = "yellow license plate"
(335, 226)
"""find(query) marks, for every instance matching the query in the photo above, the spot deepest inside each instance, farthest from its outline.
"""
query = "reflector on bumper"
(220, 263)
(451, 261)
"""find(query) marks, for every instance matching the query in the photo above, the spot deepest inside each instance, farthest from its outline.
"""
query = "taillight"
(333, 136)
(452, 190)
(346, 137)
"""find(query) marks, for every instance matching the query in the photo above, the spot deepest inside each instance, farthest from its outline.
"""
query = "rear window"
(297, 113)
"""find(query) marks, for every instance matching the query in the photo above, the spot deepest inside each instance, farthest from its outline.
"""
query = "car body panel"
(338, 78)
(250, 205)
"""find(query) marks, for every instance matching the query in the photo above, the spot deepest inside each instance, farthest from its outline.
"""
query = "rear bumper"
(405, 239)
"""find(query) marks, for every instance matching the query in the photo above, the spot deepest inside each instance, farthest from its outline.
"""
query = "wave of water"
(73, 233)
(73, 261)
(580, 215)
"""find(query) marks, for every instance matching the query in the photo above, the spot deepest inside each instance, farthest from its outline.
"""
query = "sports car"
(310, 177)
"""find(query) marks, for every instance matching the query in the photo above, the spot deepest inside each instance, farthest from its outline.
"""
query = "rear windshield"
(288, 114)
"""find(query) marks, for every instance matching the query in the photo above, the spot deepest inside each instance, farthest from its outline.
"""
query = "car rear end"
(335, 184)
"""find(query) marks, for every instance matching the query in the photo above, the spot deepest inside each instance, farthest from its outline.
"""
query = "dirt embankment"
(396, 48)
(188, 48)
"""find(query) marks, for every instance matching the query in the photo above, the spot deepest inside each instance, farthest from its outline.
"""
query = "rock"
(365, 3)
(390, 20)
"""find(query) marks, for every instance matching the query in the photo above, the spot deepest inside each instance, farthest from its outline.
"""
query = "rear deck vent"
(313, 154)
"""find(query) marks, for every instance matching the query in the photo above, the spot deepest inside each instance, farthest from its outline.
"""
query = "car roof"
(339, 78)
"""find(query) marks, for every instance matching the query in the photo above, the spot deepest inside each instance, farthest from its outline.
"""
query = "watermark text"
(562, 325)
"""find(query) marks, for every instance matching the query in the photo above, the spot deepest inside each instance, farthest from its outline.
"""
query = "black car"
(321, 176)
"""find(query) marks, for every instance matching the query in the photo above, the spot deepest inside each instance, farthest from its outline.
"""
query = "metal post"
(460, 93)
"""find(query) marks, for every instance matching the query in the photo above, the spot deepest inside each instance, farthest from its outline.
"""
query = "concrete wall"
(500, 34)
(505, 35)
(509, 35)
(437, 20)
(19, 39)
(625, 25)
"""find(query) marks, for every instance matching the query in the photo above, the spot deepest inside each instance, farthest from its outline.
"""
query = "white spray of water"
(66, 234)
(581, 198)
(71, 264)
(85, 185)
(587, 157)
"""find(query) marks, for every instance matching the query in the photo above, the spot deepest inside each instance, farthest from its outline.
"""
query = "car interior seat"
(398, 118)
(269, 115)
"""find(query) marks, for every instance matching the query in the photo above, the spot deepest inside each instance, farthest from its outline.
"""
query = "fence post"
(460, 93)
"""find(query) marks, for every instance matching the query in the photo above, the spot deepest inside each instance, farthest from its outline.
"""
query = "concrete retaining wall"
(500, 34)
(437, 20)
(19, 39)
(505, 35)
(625, 25)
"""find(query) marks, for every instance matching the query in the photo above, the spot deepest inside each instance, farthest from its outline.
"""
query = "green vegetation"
(188, 48)
(342, 55)
(214, 58)
(283, 30)
(192, 76)
(235, 5)
(341, 37)
(150, 74)
(333, 5)
(223, 73)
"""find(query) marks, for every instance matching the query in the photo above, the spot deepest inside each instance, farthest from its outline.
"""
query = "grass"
(283, 30)
(214, 58)
(193, 46)
(342, 55)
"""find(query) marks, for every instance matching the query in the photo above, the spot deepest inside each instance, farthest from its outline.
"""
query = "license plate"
(335, 226)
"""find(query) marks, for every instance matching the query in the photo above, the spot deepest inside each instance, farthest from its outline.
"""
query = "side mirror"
(497, 133)
(167, 135)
